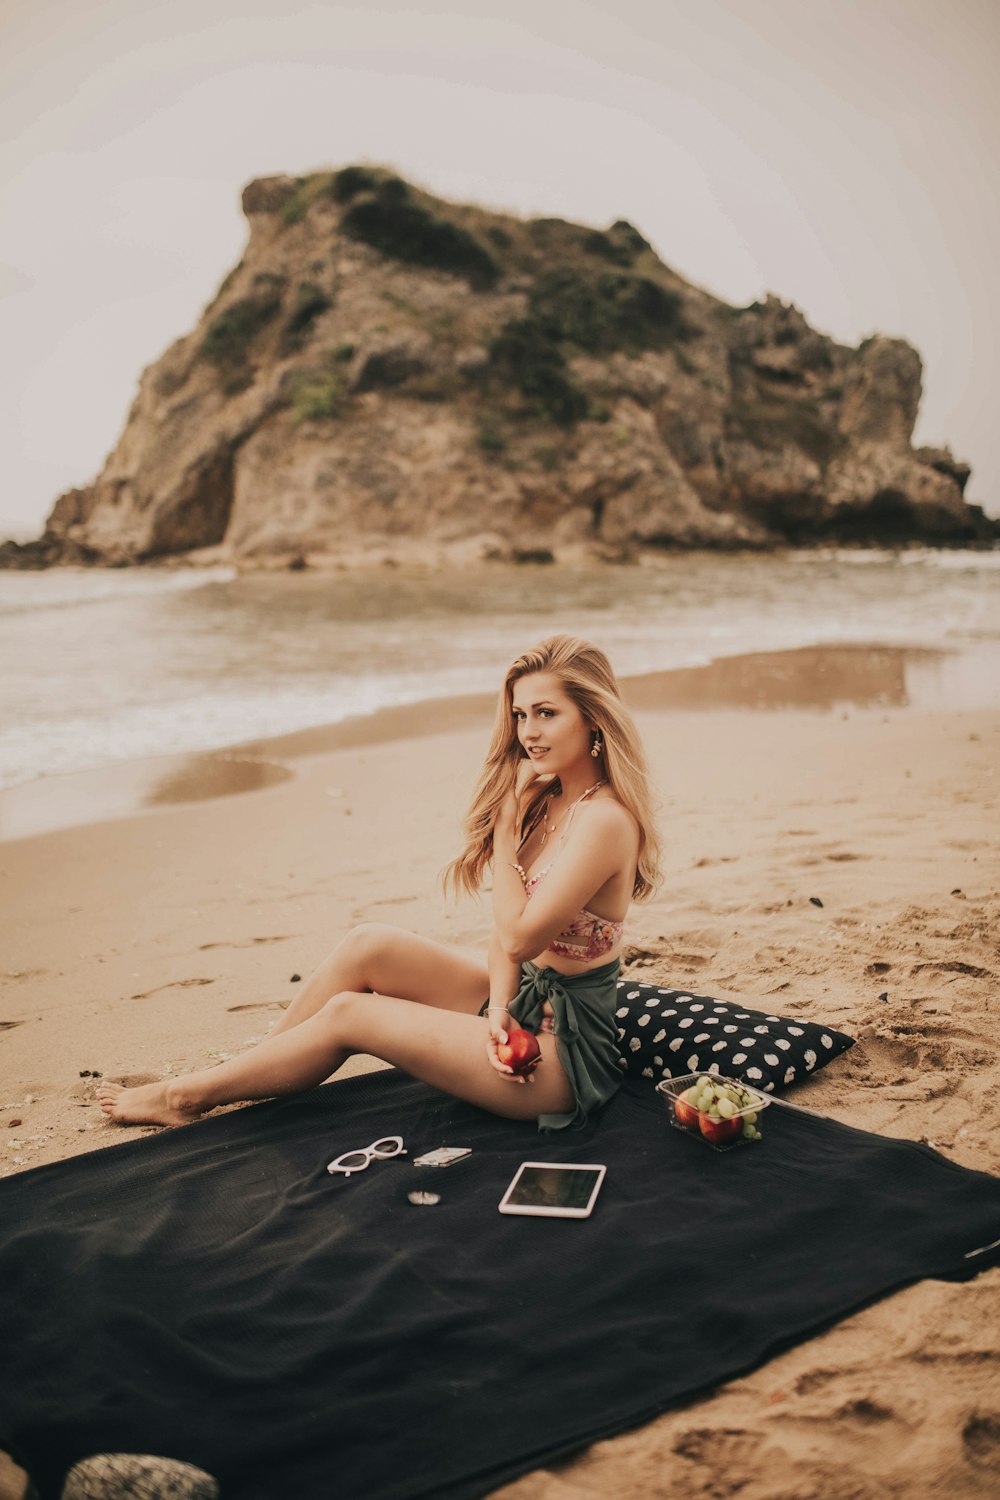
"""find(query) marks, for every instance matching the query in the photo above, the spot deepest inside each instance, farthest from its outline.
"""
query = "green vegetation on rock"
(229, 338)
(561, 240)
(318, 395)
(394, 222)
(609, 248)
(527, 356)
(489, 434)
(350, 181)
(571, 311)
(307, 190)
(310, 302)
(630, 235)
(605, 313)
(318, 392)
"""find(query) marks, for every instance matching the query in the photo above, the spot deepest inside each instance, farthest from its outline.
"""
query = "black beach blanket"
(213, 1294)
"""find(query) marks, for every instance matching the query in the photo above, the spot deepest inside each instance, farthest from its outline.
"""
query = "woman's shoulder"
(608, 816)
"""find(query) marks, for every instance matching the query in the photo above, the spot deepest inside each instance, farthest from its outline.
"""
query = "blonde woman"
(562, 814)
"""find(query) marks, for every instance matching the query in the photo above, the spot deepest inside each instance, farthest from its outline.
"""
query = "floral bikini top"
(586, 935)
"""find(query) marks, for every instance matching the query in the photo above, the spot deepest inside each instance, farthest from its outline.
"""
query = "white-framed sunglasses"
(356, 1161)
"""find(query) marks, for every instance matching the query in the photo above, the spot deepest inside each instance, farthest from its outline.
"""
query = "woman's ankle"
(184, 1094)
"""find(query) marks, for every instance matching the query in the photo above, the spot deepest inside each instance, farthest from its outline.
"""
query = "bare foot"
(152, 1104)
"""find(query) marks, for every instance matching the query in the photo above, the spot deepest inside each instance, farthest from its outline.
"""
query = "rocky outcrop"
(384, 371)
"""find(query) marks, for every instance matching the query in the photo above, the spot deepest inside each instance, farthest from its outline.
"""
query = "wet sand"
(820, 678)
(154, 941)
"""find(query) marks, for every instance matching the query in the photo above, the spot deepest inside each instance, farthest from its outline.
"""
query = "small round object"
(420, 1198)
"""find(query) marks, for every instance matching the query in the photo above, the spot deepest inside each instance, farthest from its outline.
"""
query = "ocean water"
(99, 667)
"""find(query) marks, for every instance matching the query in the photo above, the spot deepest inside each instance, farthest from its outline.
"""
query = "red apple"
(684, 1113)
(718, 1132)
(520, 1051)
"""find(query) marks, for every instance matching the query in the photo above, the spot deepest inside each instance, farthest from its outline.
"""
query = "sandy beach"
(163, 938)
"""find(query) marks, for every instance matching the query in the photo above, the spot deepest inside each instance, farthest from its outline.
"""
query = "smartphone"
(553, 1189)
(443, 1156)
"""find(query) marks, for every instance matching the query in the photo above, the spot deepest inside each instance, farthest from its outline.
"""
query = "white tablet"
(553, 1189)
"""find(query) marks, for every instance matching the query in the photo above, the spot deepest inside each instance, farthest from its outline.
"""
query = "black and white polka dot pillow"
(667, 1033)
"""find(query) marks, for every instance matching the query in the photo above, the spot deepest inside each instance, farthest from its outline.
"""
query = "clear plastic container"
(721, 1135)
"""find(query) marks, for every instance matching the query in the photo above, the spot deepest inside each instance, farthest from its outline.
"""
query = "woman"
(562, 812)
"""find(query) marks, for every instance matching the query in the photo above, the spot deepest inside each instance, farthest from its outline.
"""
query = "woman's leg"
(388, 961)
(444, 1048)
(371, 958)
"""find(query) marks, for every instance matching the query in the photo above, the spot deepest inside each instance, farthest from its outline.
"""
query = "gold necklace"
(547, 827)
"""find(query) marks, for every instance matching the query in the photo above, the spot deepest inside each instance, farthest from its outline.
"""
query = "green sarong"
(585, 1030)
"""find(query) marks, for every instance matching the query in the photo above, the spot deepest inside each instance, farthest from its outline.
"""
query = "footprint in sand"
(899, 1044)
(260, 1005)
(678, 960)
(633, 954)
(954, 967)
(866, 1411)
(866, 1426)
(175, 984)
(720, 1446)
(861, 1415)
(9, 1025)
(281, 937)
(981, 1441)
(814, 1380)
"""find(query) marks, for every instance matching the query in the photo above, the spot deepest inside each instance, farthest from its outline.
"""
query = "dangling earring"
(598, 744)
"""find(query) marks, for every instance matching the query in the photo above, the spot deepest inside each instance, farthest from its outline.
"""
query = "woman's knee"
(341, 1012)
(362, 945)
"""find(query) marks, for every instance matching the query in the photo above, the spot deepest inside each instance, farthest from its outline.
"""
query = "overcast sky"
(839, 153)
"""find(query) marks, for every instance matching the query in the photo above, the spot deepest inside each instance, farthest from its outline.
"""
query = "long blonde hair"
(586, 676)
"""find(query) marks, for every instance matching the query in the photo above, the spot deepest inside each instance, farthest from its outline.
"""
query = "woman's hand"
(526, 782)
(529, 779)
(497, 1022)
